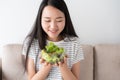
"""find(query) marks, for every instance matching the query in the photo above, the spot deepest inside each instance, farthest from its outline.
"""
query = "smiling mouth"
(55, 31)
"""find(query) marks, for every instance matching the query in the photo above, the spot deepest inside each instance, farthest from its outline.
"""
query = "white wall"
(96, 21)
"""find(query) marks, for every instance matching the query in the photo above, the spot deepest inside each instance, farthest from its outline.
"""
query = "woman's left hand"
(63, 63)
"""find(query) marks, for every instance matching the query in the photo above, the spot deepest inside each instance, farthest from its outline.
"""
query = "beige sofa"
(102, 62)
(0, 69)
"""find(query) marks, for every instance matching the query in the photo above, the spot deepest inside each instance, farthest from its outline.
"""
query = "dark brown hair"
(37, 31)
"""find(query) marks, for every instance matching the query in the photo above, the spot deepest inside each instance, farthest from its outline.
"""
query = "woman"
(53, 24)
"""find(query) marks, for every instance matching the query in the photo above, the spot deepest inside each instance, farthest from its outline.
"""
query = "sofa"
(0, 69)
(101, 62)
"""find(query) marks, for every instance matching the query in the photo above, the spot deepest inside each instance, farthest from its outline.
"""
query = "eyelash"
(47, 21)
(59, 21)
(56, 21)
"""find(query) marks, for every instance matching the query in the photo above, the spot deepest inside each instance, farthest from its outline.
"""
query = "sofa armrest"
(0, 68)
(13, 58)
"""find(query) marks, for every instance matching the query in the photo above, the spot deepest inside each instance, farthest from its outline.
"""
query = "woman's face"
(53, 22)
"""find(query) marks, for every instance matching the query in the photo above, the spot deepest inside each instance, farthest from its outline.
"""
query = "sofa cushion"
(86, 67)
(12, 62)
(107, 62)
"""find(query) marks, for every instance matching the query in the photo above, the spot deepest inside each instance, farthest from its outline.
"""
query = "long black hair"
(38, 33)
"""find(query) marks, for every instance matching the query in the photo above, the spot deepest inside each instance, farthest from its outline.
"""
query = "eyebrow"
(59, 17)
(56, 18)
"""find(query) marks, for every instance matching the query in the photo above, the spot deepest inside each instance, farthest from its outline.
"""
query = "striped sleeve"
(31, 53)
(78, 55)
(25, 46)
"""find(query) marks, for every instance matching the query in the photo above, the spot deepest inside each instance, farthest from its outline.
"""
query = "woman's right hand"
(42, 61)
(45, 64)
(41, 74)
(43, 71)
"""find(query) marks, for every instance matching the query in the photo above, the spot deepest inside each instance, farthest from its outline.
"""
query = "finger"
(56, 64)
(65, 60)
(42, 60)
(66, 55)
(59, 63)
(40, 56)
(49, 64)
(45, 63)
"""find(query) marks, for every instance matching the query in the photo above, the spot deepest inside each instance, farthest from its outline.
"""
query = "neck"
(57, 39)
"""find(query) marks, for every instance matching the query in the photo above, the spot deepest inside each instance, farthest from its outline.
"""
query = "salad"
(52, 53)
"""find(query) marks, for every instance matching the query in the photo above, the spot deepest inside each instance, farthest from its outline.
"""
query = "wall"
(96, 21)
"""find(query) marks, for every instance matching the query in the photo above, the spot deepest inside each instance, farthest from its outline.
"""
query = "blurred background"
(95, 21)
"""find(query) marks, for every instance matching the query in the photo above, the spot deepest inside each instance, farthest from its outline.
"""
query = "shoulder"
(28, 41)
(72, 39)
(73, 42)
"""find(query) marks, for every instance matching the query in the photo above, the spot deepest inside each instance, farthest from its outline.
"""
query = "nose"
(53, 24)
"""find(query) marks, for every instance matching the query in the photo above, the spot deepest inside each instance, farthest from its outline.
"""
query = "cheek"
(61, 26)
(44, 25)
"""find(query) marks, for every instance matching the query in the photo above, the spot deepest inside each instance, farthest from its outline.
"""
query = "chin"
(53, 37)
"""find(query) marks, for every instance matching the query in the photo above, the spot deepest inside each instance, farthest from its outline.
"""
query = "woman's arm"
(67, 74)
(41, 74)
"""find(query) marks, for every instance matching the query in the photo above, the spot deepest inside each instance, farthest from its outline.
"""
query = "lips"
(53, 31)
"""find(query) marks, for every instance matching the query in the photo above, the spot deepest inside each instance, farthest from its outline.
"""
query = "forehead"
(50, 11)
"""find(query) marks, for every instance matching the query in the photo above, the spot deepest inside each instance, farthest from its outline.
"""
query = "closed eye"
(47, 20)
(60, 21)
